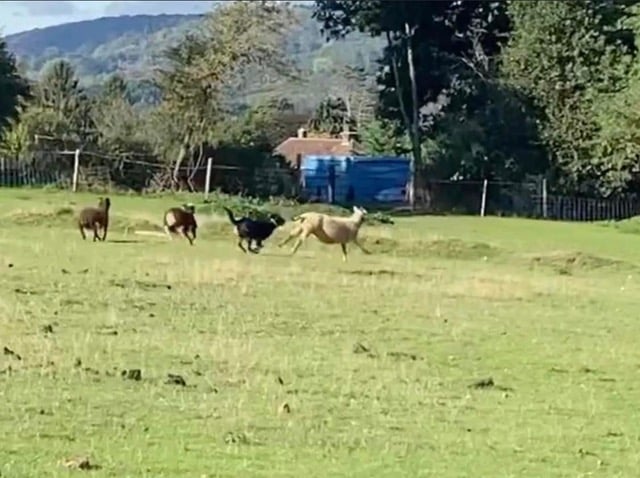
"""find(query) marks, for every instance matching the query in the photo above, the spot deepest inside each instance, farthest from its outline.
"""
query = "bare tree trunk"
(415, 126)
(411, 123)
(182, 154)
(195, 168)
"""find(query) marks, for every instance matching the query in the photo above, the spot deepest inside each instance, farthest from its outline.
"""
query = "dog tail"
(233, 220)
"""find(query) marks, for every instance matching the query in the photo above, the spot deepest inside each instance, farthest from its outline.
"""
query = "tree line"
(472, 90)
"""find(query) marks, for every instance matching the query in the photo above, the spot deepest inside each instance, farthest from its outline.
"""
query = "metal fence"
(91, 171)
(526, 199)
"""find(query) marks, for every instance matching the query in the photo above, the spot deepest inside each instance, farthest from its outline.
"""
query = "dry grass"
(359, 369)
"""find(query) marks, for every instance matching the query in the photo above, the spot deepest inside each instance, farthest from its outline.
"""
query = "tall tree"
(235, 37)
(60, 98)
(568, 56)
(618, 119)
(426, 43)
(13, 87)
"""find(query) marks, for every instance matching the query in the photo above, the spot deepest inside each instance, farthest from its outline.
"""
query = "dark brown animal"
(95, 218)
(181, 219)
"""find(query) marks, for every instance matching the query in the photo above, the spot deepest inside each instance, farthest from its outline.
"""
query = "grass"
(309, 366)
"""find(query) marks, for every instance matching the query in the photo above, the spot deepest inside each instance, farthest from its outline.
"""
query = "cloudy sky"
(19, 16)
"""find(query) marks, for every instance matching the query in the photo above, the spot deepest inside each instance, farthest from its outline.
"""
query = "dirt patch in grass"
(46, 218)
(443, 248)
(567, 263)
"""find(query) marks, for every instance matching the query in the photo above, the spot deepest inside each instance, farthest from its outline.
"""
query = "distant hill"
(101, 47)
(133, 47)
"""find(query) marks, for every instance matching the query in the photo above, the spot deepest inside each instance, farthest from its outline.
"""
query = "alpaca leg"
(104, 232)
(241, 246)
(95, 233)
(344, 252)
(84, 236)
(299, 242)
(294, 233)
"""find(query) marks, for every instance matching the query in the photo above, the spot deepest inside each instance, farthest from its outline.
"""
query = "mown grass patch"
(455, 349)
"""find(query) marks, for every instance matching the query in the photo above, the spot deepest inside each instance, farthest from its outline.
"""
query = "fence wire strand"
(128, 171)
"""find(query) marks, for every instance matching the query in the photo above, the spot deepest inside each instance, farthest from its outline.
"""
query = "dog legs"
(241, 246)
(257, 247)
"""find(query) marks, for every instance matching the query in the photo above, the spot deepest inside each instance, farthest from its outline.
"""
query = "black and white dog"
(253, 230)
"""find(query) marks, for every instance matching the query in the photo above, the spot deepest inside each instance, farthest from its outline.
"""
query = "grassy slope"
(546, 309)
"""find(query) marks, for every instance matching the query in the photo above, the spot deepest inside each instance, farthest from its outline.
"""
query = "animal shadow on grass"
(488, 383)
(139, 284)
(381, 273)
(286, 255)
(125, 241)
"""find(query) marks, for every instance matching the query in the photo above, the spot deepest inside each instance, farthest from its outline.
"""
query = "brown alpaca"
(95, 218)
(181, 219)
(328, 229)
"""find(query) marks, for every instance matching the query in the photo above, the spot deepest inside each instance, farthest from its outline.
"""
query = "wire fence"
(97, 172)
(526, 199)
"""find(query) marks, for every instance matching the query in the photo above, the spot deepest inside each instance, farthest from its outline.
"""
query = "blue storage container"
(370, 179)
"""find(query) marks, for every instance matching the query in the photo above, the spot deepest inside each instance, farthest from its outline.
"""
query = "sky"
(20, 16)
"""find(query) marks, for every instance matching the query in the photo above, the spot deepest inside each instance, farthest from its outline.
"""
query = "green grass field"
(308, 366)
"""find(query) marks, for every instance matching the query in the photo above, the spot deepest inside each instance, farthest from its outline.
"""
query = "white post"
(483, 204)
(76, 165)
(544, 198)
(207, 183)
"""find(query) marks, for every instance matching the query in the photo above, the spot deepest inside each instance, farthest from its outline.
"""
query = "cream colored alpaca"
(328, 229)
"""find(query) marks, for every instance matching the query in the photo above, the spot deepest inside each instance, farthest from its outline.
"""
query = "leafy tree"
(13, 87)
(330, 118)
(383, 137)
(59, 98)
(205, 67)
(617, 115)
(114, 87)
(567, 56)
(15, 140)
(426, 43)
(260, 127)
(355, 89)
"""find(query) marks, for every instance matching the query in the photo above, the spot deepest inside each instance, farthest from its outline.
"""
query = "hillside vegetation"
(134, 46)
